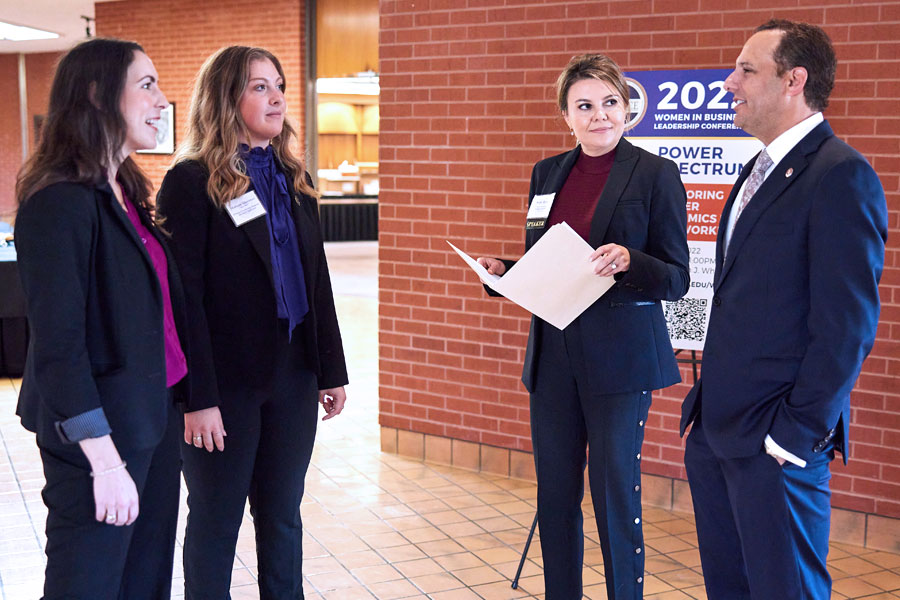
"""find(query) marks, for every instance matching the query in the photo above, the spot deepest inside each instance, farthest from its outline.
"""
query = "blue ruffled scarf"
(287, 270)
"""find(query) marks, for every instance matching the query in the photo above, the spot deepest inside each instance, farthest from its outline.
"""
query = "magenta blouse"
(176, 365)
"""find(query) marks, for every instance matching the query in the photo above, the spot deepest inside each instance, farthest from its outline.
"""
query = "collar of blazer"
(121, 218)
(257, 231)
(307, 234)
(619, 175)
(785, 173)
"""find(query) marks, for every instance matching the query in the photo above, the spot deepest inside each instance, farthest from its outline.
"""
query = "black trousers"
(90, 560)
(267, 452)
(566, 418)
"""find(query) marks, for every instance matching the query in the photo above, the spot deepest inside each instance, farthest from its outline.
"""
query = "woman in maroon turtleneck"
(591, 383)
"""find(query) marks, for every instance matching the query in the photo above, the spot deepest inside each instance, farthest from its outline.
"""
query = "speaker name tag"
(245, 208)
(539, 211)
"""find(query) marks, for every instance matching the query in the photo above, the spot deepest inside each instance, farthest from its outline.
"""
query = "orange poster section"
(705, 202)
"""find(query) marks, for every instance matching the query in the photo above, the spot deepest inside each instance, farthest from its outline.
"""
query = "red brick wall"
(10, 133)
(179, 36)
(466, 110)
(39, 69)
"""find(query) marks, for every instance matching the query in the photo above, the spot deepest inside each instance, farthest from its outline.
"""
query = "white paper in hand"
(555, 279)
(485, 277)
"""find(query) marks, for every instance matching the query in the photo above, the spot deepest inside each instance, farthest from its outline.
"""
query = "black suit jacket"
(642, 207)
(795, 304)
(95, 310)
(231, 307)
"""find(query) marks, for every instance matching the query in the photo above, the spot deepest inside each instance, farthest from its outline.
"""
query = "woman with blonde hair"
(263, 334)
(591, 382)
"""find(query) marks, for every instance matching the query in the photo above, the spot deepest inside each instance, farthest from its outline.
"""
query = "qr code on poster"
(686, 319)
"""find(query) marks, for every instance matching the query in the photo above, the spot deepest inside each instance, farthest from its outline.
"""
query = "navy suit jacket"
(230, 296)
(95, 311)
(642, 207)
(795, 304)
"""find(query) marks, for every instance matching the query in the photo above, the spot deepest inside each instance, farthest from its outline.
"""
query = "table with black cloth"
(13, 327)
(348, 218)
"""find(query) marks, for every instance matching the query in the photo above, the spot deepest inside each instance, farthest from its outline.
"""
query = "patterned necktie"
(757, 175)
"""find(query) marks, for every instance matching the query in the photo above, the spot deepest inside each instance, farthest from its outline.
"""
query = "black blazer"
(95, 311)
(642, 207)
(231, 307)
(795, 304)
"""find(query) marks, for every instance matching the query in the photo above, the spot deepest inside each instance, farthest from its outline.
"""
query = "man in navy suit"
(794, 311)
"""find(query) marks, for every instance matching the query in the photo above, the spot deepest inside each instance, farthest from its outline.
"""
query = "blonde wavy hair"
(215, 127)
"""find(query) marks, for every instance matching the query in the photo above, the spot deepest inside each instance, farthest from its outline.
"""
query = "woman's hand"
(115, 495)
(493, 266)
(611, 258)
(204, 429)
(332, 400)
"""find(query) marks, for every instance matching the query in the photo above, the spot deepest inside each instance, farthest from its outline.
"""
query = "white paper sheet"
(554, 280)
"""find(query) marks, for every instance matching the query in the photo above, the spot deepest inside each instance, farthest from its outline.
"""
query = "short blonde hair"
(590, 66)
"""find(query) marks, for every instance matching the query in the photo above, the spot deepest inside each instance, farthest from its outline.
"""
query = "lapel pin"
(789, 172)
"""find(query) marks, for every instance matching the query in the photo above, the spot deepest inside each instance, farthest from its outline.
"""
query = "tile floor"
(379, 526)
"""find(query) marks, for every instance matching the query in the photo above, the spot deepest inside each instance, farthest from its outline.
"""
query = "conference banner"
(686, 116)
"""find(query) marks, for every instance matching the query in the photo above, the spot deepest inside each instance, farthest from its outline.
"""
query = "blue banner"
(681, 104)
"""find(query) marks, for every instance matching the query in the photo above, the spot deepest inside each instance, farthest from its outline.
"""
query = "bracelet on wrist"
(109, 470)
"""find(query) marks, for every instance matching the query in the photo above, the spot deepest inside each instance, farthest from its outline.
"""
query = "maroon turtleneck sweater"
(576, 201)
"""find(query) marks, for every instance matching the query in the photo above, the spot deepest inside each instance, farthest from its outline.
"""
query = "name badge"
(245, 208)
(539, 211)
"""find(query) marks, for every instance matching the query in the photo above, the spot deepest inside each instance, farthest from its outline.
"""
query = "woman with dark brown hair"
(105, 360)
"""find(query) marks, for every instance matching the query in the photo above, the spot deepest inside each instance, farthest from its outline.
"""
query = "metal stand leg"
(515, 583)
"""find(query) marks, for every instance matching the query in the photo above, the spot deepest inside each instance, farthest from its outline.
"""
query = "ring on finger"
(110, 517)
(612, 266)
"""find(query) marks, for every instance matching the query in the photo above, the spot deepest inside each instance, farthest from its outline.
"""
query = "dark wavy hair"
(807, 46)
(84, 127)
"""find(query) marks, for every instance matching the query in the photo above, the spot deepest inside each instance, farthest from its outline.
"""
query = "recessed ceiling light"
(20, 33)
